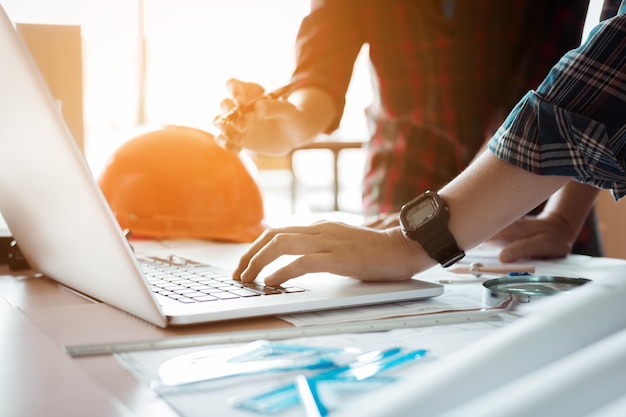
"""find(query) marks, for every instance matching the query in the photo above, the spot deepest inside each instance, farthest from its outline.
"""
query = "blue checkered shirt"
(574, 124)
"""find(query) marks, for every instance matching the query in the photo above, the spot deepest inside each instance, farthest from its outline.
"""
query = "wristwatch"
(425, 220)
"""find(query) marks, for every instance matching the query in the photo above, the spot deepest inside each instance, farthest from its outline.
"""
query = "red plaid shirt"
(446, 73)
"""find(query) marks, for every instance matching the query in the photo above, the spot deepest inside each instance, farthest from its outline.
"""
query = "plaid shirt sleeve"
(574, 124)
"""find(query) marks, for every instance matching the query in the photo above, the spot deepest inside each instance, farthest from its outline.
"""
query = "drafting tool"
(285, 333)
(525, 288)
(366, 368)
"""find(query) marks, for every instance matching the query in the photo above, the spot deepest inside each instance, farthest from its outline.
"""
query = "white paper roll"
(573, 386)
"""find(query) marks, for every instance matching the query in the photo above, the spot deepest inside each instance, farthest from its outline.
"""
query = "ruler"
(284, 333)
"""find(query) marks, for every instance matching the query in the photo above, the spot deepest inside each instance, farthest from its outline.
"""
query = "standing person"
(572, 127)
(444, 74)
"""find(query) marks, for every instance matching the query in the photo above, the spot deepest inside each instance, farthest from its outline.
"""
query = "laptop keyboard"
(190, 281)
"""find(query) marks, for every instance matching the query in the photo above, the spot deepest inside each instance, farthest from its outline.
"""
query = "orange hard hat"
(175, 182)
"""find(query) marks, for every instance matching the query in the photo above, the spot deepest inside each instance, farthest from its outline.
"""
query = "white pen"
(478, 269)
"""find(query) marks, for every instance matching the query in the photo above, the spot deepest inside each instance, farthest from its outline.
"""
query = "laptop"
(67, 232)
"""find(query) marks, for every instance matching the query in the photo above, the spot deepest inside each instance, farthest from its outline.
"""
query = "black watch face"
(420, 213)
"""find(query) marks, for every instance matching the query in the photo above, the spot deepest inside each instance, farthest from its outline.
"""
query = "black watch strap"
(443, 248)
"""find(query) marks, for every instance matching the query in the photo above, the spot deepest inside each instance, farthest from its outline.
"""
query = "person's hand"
(357, 252)
(383, 221)
(538, 237)
(272, 127)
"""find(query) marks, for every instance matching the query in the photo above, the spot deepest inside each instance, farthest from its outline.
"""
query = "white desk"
(38, 317)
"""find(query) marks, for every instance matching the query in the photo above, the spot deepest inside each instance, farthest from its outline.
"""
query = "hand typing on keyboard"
(188, 281)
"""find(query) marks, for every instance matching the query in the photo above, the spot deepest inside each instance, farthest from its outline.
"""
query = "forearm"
(317, 110)
(490, 195)
(572, 205)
